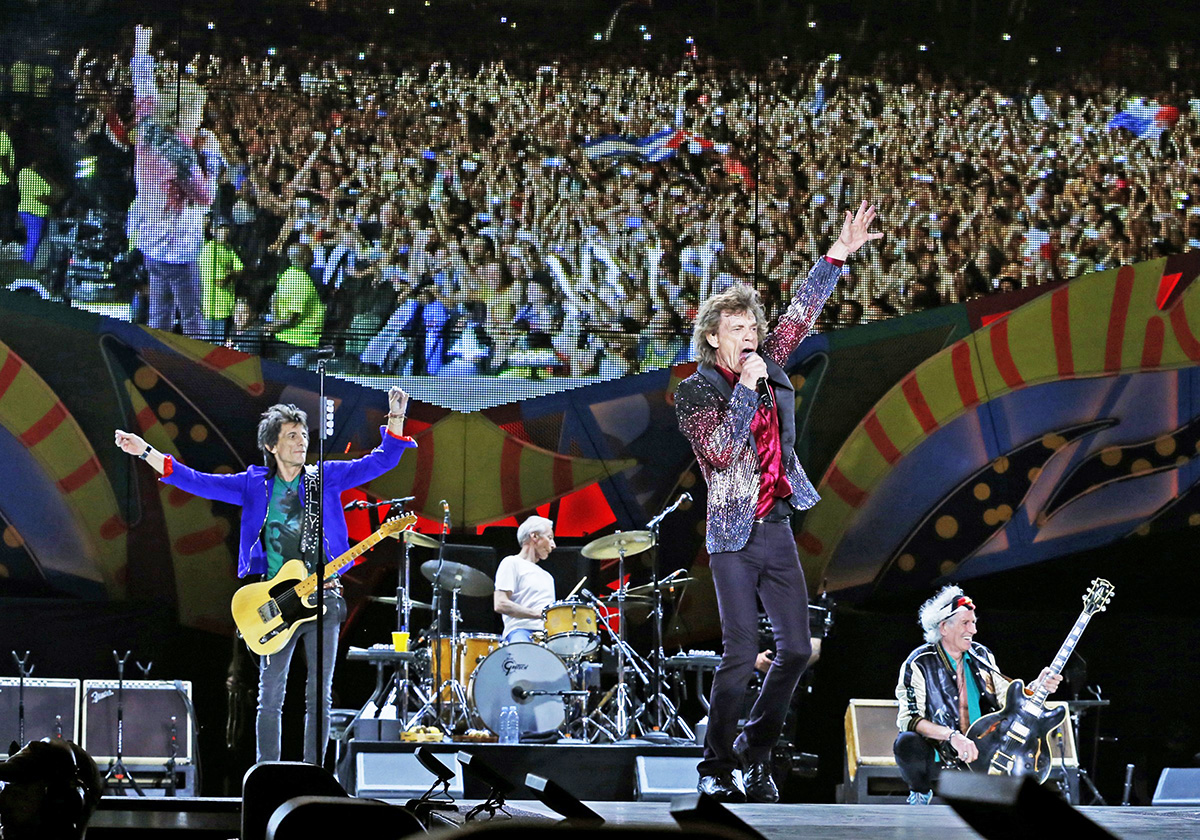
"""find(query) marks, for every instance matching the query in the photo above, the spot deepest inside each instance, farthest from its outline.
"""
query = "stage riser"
(591, 772)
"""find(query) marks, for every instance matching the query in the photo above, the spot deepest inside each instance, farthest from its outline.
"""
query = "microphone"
(520, 693)
(764, 393)
(588, 596)
(355, 505)
(324, 353)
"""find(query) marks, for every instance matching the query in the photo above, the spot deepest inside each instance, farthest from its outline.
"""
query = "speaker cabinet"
(155, 715)
(399, 775)
(870, 772)
(660, 778)
(1178, 786)
(51, 710)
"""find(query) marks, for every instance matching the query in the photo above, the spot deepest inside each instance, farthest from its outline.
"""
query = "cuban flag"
(1145, 118)
(654, 148)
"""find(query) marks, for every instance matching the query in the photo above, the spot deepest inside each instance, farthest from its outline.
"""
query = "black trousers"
(915, 757)
(766, 569)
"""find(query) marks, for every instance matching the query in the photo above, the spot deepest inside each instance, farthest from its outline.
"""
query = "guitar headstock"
(395, 524)
(1097, 597)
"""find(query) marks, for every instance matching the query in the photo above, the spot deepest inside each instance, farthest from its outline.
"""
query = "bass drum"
(510, 670)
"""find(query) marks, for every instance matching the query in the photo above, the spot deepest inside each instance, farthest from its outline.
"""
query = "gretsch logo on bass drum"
(511, 665)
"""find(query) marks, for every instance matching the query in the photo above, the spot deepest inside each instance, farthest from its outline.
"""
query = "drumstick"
(578, 586)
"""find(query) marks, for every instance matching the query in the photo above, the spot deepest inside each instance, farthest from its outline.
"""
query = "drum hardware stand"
(118, 776)
(458, 696)
(405, 688)
(657, 696)
(24, 669)
(626, 657)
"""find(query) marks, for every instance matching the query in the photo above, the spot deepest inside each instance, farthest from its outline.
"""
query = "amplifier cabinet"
(51, 710)
(870, 773)
(151, 709)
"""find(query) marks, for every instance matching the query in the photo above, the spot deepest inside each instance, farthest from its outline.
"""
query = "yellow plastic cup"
(400, 642)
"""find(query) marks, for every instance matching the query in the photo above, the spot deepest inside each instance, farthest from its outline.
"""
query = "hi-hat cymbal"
(466, 580)
(418, 539)
(647, 589)
(392, 599)
(609, 548)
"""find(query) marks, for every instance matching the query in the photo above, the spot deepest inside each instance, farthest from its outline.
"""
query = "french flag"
(654, 148)
(1145, 118)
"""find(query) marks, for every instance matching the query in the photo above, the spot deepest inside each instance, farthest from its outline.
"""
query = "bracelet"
(146, 454)
(950, 737)
(393, 414)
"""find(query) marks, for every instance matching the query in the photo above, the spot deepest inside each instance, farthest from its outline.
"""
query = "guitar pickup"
(268, 611)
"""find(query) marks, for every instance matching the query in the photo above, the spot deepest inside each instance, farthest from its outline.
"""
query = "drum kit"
(463, 681)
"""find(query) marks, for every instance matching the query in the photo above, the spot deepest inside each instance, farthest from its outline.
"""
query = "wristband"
(146, 454)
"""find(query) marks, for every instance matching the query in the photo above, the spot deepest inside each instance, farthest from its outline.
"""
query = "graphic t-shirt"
(285, 517)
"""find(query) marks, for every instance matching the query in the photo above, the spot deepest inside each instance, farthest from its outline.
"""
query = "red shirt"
(772, 483)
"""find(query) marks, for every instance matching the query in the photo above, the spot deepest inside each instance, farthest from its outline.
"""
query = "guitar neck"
(1064, 653)
(309, 585)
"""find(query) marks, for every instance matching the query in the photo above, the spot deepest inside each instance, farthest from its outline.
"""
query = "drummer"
(523, 589)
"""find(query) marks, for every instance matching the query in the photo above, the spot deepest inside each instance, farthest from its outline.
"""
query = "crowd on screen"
(456, 219)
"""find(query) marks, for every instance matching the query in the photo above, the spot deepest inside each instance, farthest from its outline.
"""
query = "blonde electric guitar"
(267, 613)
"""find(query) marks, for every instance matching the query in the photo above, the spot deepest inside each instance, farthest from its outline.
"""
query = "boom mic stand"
(24, 669)
(118, 776)
(659, 698)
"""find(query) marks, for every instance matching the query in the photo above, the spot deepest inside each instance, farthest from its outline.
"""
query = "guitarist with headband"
(279, 523)
(946, 685)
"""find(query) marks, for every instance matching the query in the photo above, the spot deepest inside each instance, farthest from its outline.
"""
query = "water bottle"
(509, 725)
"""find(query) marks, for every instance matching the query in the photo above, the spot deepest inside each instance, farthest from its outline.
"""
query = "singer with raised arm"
(280, 523)
(738, 412)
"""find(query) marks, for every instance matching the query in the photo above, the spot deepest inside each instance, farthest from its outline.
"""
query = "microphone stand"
(319, 747)
(437, 615)
(659, 654)
(24, 669)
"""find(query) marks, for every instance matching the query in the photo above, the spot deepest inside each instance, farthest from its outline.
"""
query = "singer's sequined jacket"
(716, 421)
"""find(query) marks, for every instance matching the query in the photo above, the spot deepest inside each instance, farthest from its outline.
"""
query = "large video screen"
(526, 195)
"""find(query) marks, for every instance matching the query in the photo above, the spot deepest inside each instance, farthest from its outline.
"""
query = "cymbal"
(392, 599)
(647, 589)
(418, 539)
(468, 581)
(609, 548)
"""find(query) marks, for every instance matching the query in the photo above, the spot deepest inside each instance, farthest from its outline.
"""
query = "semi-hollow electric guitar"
(268, 613)
(1014, 740)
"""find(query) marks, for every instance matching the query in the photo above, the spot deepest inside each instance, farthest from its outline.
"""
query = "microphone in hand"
(764, 393)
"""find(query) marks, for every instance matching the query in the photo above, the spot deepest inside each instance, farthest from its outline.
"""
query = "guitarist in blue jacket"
(946, 685)
(279, 523)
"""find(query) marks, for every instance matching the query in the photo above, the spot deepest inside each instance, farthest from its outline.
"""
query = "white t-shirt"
(531, 586)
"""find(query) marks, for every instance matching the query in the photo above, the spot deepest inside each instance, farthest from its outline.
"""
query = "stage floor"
(220, 818)
(893, 822)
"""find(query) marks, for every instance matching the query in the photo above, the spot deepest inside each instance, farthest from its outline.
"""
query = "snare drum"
(509, 675)
(571, 628)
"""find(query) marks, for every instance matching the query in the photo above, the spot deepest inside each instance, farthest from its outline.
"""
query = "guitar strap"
(311, 526)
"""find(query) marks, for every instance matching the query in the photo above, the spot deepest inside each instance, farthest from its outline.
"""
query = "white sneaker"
(915, 798)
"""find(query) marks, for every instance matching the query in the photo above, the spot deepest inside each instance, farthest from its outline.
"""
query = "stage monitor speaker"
(383, 775)
(151, 709)
(1178, 786)
(659, 778)
(51, 710)
(1014, 808)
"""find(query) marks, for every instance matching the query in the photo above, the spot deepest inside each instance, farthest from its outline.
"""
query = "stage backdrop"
(953, 443)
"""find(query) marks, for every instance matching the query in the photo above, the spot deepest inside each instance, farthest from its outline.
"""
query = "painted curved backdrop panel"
(961, 441)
